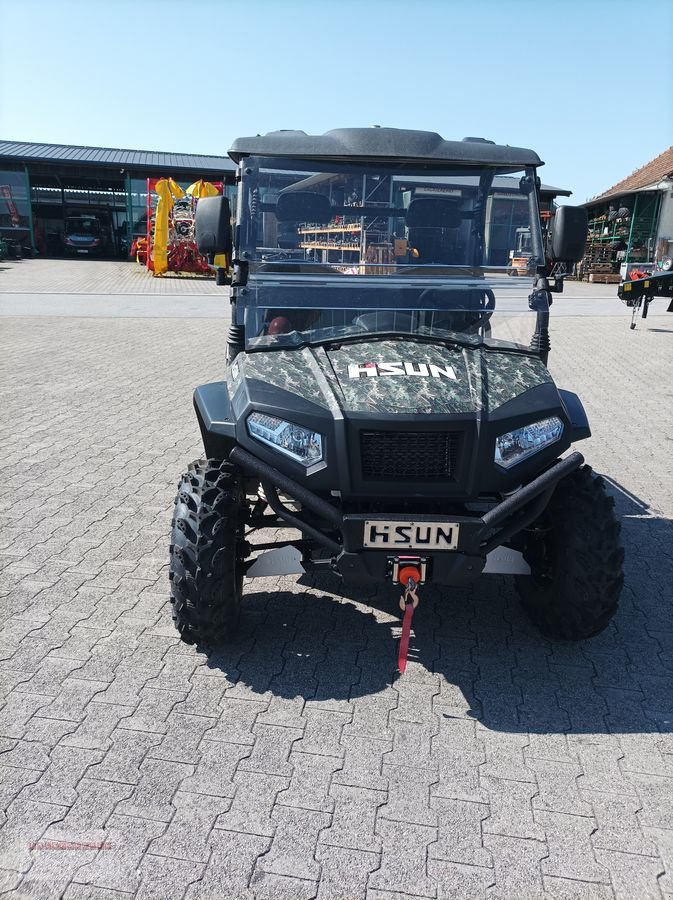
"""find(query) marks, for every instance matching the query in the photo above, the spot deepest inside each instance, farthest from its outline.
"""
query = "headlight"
(300, 444)
(515, 446)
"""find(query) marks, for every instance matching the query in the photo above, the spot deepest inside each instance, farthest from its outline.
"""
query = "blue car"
(84, 235)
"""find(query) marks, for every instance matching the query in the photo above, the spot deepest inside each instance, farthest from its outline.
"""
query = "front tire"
(206, 553)
(576, 560)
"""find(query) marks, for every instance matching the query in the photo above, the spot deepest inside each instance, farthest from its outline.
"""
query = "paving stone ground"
(294, 763)
(97, 276)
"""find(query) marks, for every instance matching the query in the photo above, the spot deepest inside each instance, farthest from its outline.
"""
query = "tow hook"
(409, 577)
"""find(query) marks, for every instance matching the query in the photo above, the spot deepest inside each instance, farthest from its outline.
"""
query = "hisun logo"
(425, 370)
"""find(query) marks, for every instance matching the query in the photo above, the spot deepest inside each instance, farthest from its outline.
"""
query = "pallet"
(604, 278)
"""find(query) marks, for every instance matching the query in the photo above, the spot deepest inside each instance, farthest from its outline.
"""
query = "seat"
(433, 224)
(304, 207)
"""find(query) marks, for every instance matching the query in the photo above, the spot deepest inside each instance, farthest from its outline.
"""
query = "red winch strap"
(404, 639)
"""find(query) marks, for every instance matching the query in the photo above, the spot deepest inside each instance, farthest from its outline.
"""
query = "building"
(41, 185)
(631, 224)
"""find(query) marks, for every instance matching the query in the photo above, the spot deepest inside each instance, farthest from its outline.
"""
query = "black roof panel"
(388, 143)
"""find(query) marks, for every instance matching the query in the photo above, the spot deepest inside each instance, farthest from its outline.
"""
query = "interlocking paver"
(116, 865)
(230, 868)
(204, 697)
(271, 751)
(409, 794)
(214, 773)
(151, 798)
(189, 830)
(152, 712)
(72, 701)
(557, 784)
(353, 824)
(50, 676)
(27, 820)
(48, 731)
(163, 878)
(12, 782)
(344, 872)
(283, 711)
(456, 881)
(123, 760)
(403, 863)
(9, 881)
(235, 722)
(656, 798)
(600, 769)
(537, 765)
(504, 756)
(632, 876)
(324, 729)
(618, 827)
(517, 866)
(95, 803)
(92, 892)
(363, 763)
(58, 782)
(511, 809)
(642, 755)
(571, 889)
(53, 869)
(182, 739)
(293, 845)
(95, 730)
(254, 799)
(26, 755)
(310, 782)
(460, 837)
(570, 852)
(17, 711)
(268, 886)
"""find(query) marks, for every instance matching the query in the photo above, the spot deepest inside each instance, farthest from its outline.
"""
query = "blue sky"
(588, 85)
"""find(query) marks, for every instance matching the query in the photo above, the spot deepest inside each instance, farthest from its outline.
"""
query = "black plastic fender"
(579, 423)
(212, 405)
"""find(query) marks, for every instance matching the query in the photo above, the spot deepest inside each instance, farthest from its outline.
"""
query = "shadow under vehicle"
(475, 654)
(386, 394)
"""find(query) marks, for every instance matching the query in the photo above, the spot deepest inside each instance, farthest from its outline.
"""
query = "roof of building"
(384, 143)
(147, 160)
(647, 176)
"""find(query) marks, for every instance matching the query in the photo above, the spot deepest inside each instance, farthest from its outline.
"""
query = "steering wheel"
(383, 320)
(466, 318)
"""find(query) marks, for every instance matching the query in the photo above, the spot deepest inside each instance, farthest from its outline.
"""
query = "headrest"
(433, 212)
(304, 206)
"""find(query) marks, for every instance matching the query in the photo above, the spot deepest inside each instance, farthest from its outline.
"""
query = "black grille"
(409, 455)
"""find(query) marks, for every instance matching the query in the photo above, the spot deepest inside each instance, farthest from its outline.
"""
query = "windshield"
(340, 249)
(83, 226)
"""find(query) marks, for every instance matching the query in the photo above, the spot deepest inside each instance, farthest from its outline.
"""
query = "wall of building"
(665, 230)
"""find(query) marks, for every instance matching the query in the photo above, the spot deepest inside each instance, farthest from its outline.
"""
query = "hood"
(400, 376)
(83, 238)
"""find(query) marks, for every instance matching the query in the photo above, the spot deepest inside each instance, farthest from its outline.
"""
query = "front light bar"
(298, 443)
(521, 443)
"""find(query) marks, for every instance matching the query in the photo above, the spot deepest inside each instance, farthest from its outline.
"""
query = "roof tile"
(656, 170)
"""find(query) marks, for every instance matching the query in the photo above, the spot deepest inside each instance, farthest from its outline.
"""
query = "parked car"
(84, 234)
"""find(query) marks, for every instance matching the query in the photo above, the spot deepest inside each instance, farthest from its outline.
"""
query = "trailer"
(638, 294)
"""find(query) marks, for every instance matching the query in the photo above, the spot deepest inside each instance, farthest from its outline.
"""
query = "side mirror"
(569, 233)
(213, 226)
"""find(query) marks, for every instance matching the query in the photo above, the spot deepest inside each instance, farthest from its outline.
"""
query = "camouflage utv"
(386, 397)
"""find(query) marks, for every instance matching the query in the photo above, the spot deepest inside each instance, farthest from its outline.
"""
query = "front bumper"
(342, 534)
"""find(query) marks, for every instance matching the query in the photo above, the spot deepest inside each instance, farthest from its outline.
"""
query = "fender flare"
(212, 405)
(579, 423)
